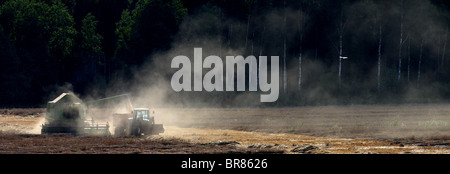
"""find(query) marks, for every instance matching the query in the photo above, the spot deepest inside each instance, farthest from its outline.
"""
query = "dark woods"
(395, 51)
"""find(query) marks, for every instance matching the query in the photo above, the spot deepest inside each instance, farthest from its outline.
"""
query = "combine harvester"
(66, 114)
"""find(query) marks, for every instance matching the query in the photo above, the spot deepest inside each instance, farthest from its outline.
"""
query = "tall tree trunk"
(409, 58)
(300, 71)
(261, 46)
(438, 62)
(253, 41)
(300, 51)
(400, 45)
(444, 49)
(230, 34)
(379, 60)
(340, 57)
(341, 33)
(420, 62)
(284, 67)
(246, 36)
(261, 42)
(220, 33)
(284, 42)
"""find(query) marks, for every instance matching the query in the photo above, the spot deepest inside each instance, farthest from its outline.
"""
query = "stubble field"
(324, 129)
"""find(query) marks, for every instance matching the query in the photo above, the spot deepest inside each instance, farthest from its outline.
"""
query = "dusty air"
(213, 80)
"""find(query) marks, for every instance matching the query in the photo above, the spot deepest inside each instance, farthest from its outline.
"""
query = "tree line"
(331, 52)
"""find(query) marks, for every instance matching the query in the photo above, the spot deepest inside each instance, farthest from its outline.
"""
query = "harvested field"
(386, 122)
(328, 129)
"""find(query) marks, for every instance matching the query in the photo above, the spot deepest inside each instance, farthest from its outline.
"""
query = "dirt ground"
(328, 129)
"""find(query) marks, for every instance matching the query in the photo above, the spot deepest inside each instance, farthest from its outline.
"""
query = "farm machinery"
(67, 114)
(138, 122)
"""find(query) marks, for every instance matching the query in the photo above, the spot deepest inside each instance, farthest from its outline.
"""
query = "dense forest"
(331, 52)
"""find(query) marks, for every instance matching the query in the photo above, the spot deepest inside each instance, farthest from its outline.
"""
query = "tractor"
(133, 121)
(138, 122)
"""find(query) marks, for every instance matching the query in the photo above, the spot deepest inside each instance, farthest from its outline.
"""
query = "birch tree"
(402, 41)
(300, 25)
(248, 26)
(444, 48)
(341, 35)
(379, 13)
(284, 49)
(409, 59)
(380, 31)
(420, 62)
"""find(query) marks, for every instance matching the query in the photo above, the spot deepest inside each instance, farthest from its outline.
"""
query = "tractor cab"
(143, 114)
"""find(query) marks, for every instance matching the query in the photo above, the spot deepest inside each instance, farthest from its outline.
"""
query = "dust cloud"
(36, 129)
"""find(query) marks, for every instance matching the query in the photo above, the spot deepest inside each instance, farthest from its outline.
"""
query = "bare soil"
(329, 129)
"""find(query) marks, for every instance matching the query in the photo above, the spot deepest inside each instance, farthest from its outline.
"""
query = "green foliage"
(149, 26)
(59, 23)
(179, 10)
(123, 30)
(51, 24)
(91, 40)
